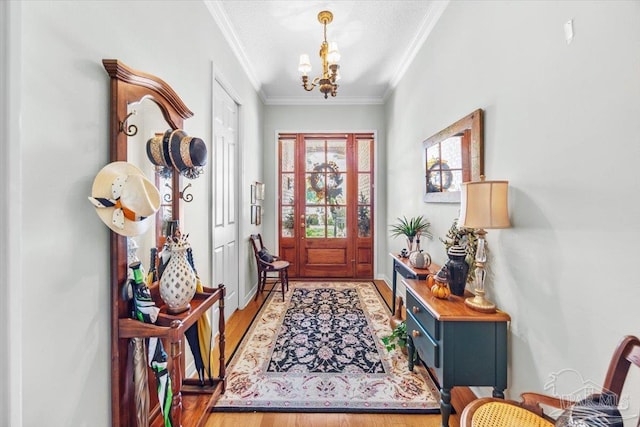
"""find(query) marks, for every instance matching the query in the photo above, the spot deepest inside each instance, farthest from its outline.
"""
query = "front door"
(326, 202)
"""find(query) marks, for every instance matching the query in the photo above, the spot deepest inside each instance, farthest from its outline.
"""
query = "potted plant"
(412, 229)
(398, 338)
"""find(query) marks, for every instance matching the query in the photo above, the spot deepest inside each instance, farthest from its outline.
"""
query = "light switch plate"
(568, 31)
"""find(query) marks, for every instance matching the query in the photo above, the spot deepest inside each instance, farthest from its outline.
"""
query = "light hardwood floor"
(235, 329)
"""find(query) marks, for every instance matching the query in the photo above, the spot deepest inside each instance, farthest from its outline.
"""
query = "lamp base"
(479, 303)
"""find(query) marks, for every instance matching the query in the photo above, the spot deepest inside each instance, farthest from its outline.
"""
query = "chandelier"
(330, 57)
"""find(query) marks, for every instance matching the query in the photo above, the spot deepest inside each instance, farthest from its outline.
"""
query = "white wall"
(64, 142)
(329, 118)
(561, 124)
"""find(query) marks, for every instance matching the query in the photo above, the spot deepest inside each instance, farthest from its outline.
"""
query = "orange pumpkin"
(430, 281)
(440, 291)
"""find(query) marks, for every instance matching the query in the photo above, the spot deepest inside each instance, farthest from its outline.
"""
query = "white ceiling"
(377, 41)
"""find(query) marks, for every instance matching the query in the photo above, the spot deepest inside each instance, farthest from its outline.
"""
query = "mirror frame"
(472, 154)
(127, 86)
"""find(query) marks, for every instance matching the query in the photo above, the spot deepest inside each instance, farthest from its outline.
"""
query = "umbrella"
(204, 337)
(137, 350)
(158, 362)
(194, 345)
(145, 310)
(140, 380)
(199, 334)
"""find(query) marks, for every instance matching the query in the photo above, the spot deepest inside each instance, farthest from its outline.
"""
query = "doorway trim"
(376, 178)
(11, 214)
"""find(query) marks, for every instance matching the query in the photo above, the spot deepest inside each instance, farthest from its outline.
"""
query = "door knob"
(415, 333)
(415, 310)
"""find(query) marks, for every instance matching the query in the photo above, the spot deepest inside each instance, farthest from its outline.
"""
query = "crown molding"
(434, 13)
(319, 100)
(220, 17)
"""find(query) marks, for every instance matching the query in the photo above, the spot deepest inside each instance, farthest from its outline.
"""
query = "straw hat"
(176, 150)
(124, 198)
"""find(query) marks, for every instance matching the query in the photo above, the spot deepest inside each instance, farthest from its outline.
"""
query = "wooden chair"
(492, 412)
(278, 266)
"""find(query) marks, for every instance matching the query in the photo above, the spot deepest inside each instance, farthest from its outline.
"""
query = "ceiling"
(377, 41)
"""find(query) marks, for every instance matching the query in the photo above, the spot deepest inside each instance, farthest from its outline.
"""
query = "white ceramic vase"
(178, 281)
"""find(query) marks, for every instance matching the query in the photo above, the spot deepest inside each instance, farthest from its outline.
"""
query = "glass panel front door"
(326, 204)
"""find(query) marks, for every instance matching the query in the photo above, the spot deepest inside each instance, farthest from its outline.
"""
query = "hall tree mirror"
(141, 106)
(145, 120)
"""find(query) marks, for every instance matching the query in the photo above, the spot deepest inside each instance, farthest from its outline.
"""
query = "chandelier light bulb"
(333, 57)
(305, 64)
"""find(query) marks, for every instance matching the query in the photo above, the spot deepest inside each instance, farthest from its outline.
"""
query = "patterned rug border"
(329, 406)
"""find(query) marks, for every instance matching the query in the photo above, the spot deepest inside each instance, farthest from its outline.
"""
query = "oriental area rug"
(320, 351)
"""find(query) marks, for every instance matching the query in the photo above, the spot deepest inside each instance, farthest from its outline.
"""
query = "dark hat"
(176, 150)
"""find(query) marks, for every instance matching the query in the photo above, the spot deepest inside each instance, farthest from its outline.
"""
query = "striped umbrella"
(145, 310)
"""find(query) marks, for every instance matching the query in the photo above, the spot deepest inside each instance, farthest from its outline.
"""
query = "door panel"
(326, 256)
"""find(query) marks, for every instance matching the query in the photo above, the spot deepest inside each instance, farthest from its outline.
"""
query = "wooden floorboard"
(236, 327)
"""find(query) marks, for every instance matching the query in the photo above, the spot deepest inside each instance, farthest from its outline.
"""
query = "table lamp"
(483, 205)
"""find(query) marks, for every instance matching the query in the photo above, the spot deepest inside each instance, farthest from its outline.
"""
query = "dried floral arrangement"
(467, 238)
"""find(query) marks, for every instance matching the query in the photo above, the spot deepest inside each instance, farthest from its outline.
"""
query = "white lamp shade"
(333, 56)
(484, 204)
(305, 64)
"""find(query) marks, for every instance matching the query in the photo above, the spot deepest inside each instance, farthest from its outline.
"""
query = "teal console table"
(463, 347)
(405, 269)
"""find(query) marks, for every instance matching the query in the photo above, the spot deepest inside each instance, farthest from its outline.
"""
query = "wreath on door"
(334, 180)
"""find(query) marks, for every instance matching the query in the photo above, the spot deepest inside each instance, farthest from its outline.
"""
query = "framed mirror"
(453, 156)
(147, 118)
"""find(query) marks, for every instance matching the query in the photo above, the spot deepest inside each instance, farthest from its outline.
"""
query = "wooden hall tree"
(190, 401)
(325, 204)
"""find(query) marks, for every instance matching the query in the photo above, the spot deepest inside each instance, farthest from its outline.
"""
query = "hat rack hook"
(183, 195)
(130, 130)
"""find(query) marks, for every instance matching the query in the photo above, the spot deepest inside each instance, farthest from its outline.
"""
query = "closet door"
(225, 225)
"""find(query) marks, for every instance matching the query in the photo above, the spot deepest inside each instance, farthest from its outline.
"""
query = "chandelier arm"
(305, 83)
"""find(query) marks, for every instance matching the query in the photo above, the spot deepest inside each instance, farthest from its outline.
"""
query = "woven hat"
(124, 198)
(176, 150)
